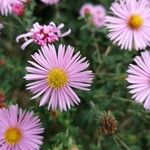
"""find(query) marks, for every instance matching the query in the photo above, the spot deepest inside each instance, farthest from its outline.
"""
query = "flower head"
(50, 2)
(86, 9)
(18, 9)
(54, 74)
(43, 34)
(97, 13)
(6, 6)
(19, 129)
(129, 24)
(139, 79)
(108, 123)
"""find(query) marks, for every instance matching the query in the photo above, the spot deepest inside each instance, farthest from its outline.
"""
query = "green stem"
(116, 142)
(57, 11)
(96, 45)
(122, 142)
(99, 143)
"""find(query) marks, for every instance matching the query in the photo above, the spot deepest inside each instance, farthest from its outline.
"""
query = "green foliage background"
(79, 126)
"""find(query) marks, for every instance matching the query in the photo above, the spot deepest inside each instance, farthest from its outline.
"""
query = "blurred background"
(107, 118)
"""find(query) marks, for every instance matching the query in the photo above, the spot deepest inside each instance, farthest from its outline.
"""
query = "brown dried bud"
(108, 123)
(2, 100)
(2, 62)
(54, 114)
(3, 105)
(2, 97)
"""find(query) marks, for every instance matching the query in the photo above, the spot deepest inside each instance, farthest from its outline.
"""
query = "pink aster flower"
(19, 130)
(6, 6)
(96, 12)
(43, 34)
(54, 75)
(129, 24)
(86, 9)
(50, 2)
(99, 15)
(139, 78)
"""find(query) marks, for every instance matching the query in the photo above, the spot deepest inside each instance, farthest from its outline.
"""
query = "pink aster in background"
(18, 9)
(129, 24)
(139, 79)
(97, 14)
(86, 9)
(5, 6)
(54, 75)
(19, 130)
(50, 2)
(43, 34)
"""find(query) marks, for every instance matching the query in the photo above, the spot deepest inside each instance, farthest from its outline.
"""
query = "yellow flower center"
(57, 78)
(135, 22)
(12, 136)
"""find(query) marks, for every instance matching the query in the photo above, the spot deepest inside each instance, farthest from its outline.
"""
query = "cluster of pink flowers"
(43, 34)
(50, 2)
(129, 27)
(54, 73)
(96, 13)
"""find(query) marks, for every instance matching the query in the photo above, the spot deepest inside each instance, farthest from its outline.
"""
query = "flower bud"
(108, 123)
(18, 9)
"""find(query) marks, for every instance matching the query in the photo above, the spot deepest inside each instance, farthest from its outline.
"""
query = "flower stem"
(96, 45)
(122, 142)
